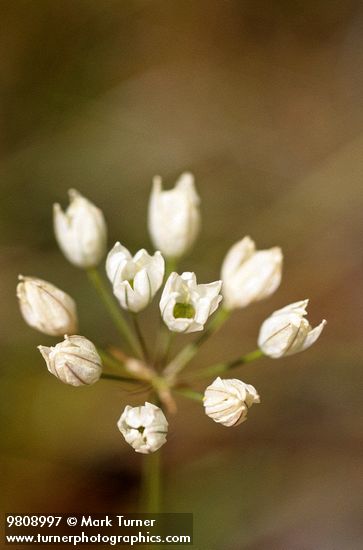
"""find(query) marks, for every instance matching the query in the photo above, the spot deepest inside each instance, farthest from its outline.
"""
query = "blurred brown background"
(263, 102)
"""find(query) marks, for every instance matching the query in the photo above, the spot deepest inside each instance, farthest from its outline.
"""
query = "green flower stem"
(162, 347)
(187, 354)
(107, 376)
(151, 490)
(190, 394)
(169, 340)
(220, 368)
(113, 309)
(163, 340)
(151, 501)
(109, 361)
(141, 338)
(171, 265)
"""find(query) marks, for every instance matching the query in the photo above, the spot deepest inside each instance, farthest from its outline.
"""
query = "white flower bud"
(185, 306)
(45, 307)
(174, 217)
(80, 231)
(249, 275)
(227, 401)
(144, 427)
(135, 280)
(74, 361)
(287, 332)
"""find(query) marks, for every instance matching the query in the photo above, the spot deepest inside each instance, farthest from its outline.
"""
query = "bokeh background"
(262, 101)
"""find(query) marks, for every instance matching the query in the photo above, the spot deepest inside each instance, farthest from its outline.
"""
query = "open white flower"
(287, 331)
(227, 401)
(185, 306)
(144, 427)
(174, 217)
(45, 307)
(135, 280)
(80, 231)
(250, 275)
(74, 361)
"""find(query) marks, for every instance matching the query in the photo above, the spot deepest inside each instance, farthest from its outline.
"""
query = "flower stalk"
(248, 275)
(109, 376)
(190, 394)
(187, 353)
(115, 312)
(109, 360)
(220, 368)
(140, 337)
(151, 484)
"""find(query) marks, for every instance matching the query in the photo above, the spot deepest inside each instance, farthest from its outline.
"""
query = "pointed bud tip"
(44, 351)
(304, 304)
(157, 183)
(186, 178)
(247, 239)
(278, 251)
(75, 195)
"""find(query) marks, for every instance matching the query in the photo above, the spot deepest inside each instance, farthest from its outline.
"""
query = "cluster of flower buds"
(247, 275)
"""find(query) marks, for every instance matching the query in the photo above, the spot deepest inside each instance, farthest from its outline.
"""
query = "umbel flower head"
(80, 231)
(250, 275)
(287, 331)
(45, 307)
(185, 306)
(174, 217)
(135, 280)
(74, 361)
(227, 401)
(144, 427)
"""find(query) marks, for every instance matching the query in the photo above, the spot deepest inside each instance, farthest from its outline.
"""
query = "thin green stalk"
(151, 489)
(169, 339)
(190, 394)
(107, 376)
(162, 344)
(187, 354)
(152, 483)
(113, 309)
(110, 361)
(164, 341)
(171, 265)
(220, 368)
(162, 335)
(141, 338)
